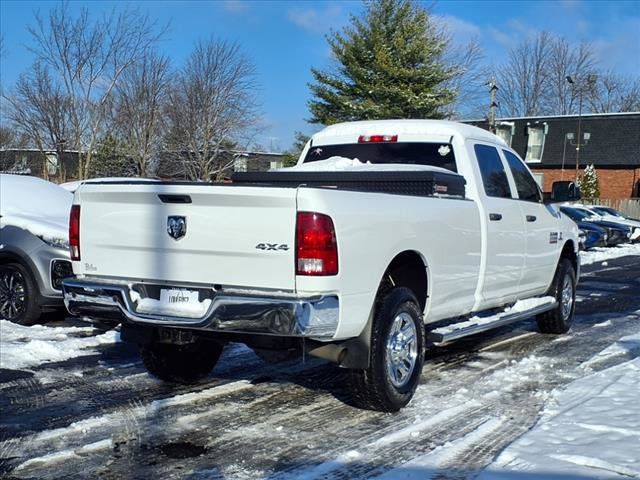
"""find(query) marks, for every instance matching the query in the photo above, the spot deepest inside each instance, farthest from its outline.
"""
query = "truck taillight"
(316, 246)
(377, 138)
(74, 232)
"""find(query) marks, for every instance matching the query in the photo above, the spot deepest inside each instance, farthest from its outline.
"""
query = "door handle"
(495, 217)
(531, 218)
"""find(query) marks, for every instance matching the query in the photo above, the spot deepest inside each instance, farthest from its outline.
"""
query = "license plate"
(175, 297)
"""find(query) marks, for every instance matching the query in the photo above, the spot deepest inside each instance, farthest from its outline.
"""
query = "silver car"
(34, 251)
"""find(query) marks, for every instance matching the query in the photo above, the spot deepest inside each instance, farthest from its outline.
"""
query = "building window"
(52, 163)
(539, 178)
(240, 164)
(504, 130)
(275, 164)
(535, 144)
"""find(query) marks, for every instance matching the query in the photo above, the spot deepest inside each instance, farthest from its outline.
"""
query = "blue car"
(616, 232)
(591, 235)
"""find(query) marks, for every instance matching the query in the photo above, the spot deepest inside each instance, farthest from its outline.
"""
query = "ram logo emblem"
(177, 227)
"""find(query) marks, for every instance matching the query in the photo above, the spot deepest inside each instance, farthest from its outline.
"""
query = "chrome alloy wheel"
(402, 350)
(566, 300)
(12, 294)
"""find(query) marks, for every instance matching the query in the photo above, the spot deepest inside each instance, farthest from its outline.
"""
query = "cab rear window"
(432, 154)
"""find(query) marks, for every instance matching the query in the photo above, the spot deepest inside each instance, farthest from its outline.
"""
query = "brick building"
(609, 141)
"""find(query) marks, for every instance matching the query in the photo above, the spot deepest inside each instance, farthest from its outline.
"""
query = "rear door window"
(525, 183)
(407, 153)
(494, 177)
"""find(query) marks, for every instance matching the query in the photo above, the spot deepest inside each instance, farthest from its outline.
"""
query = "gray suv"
(34, 252)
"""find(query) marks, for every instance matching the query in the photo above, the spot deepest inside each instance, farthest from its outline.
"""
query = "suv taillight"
(316, 246)
(74, 232)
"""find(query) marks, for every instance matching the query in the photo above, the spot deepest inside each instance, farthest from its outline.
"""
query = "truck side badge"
(176, 227)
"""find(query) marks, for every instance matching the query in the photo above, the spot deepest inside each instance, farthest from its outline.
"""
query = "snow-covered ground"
(589, 428)
(602, 254)
(532, 406)
(23, 347)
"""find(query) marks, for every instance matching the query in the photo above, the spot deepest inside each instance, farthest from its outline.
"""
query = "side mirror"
(565, 191)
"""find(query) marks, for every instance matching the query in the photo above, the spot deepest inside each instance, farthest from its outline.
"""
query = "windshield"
(432, 154)
(607, 211)
(574, 214)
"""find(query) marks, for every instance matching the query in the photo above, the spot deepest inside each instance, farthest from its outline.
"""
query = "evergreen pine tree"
(291, 156)
(589, 184)
(390, 65)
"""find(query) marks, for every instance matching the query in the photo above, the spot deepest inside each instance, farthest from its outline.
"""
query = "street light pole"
(580, 84)
(579, 134)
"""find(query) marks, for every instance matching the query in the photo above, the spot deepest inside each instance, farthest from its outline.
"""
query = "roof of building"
(614, 139)
(539, 117)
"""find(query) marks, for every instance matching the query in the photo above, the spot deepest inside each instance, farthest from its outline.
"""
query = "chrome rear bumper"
(315, 317)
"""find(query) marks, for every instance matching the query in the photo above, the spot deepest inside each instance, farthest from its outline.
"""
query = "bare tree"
(564, 60)
(7, 137)
(40, 110)
(614, 93)
(523, 77)
(469, 83)
(212, 107)
(139, 100)
(88, 58)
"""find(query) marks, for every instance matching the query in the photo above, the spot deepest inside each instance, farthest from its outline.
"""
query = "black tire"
(560, 318)
(276, 356)
(18, 295)
(181, 363)
(373, 388)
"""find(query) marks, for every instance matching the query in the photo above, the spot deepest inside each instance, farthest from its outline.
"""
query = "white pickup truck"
(366, 267)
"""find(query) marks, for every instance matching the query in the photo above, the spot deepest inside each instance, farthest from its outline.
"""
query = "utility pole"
(493, 90)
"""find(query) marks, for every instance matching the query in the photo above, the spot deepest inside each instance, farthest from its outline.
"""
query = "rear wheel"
(396, 354)
(563, 289)
(181, 363)
(18, 294)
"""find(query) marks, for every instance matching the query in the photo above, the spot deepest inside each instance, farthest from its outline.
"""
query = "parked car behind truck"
(369, 266)
(34, 248)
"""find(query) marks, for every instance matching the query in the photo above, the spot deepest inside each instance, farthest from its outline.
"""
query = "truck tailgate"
(124, 234)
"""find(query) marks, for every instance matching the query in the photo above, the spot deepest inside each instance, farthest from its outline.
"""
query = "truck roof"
(402, 126)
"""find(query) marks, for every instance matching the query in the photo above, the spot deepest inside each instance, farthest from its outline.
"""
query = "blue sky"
(286, 38)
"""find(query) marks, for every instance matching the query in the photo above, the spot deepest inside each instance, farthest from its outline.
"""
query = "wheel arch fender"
(407, 268)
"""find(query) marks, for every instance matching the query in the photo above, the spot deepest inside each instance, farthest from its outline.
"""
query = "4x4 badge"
(177, 227)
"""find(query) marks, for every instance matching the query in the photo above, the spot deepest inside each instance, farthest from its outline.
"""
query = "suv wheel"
(18, 294)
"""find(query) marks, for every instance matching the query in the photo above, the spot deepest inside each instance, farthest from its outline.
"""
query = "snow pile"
(22, 346)
(601, 254)
(628, 346)
(36, 205)
(590, 429)
(155, 307)
(340, 164)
